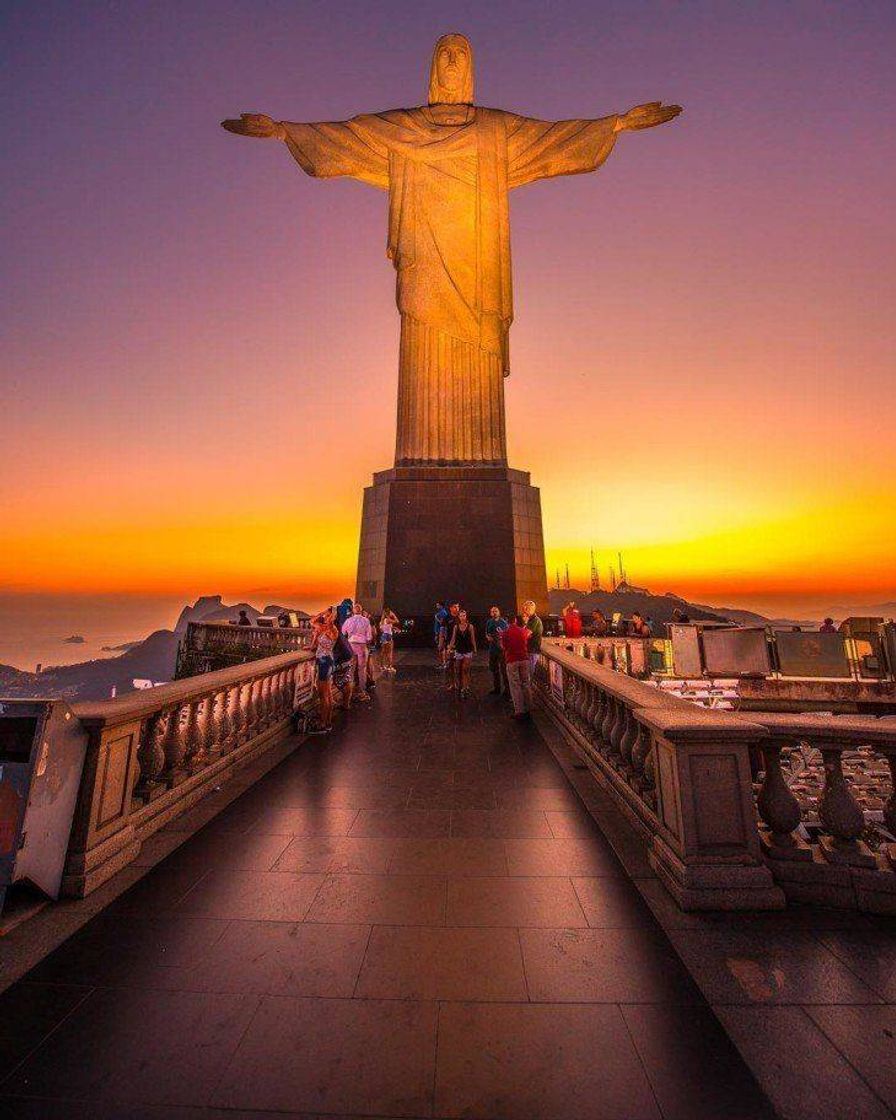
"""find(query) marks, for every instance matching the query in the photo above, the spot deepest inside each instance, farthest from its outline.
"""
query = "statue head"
(451, 72)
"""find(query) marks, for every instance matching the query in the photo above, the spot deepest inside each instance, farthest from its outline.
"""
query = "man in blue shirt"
(494, 628)
(440, 632)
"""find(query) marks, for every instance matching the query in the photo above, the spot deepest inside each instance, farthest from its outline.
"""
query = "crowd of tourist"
(352, 648)
(513, 646)
(600, 626)
(346, 643)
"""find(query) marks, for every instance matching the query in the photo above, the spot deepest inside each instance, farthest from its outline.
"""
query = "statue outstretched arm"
(326, 149)
(542, 149)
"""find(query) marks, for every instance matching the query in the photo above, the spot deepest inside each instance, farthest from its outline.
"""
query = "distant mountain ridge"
(659, 608)
(151, 659)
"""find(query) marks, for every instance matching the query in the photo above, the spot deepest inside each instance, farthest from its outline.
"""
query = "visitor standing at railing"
(359, 633)
(494, 628)
(572, 621)
(536, 628)
(638, 627)
(461, 648)
(515, 640)
(322, 646)
(388, 623)
(599, 625)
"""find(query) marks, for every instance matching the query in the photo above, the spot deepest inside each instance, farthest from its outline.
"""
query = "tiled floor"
(413, 917)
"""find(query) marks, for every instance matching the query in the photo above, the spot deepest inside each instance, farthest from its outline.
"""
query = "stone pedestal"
(471, 534)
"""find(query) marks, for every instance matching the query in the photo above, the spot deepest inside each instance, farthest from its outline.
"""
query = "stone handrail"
(153, 753)
(682, 775)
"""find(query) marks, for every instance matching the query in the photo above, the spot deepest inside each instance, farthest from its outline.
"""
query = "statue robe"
(448, 170)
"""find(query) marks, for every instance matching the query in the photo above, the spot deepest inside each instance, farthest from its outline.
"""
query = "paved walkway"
(413, 917)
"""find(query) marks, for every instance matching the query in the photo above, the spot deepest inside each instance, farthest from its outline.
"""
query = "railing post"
(706, 849)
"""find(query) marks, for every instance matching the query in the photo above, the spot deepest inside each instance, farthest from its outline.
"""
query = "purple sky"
(165, 279)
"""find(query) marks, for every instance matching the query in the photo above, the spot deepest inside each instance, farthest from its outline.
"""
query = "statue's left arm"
(542, 149)
(357, 148)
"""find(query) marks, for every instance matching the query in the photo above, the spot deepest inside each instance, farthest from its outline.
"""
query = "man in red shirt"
(572, 621)
(515, 641)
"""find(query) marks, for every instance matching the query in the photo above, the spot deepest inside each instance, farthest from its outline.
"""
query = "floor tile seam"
(324, 877)
(363, 960)
(771, 1005)
(45, 1038)
(846, 964)
(819, 1026)
(641, 1060)
(225, 1066)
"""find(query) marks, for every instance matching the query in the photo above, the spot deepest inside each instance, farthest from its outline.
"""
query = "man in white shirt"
(358, 632)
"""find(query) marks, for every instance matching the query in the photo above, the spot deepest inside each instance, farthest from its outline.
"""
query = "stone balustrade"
(154, 753)
(682, 775)
(836, 866)
(207, 646)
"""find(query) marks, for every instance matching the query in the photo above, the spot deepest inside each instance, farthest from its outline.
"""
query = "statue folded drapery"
(448, 170)
(448, 167)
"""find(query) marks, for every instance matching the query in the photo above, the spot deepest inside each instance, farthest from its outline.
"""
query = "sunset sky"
(200, 343)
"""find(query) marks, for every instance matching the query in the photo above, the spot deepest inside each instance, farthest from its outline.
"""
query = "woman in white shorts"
(462, 647)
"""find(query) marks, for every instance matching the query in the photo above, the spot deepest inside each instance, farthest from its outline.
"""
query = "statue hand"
(255, 124)
(647, 116)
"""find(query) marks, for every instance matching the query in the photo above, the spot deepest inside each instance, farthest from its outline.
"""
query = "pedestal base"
(466, 534)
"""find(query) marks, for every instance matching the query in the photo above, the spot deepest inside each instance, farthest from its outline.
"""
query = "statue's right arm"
(256, 124)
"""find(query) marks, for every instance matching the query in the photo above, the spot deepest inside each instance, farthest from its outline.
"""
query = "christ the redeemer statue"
(448, 167)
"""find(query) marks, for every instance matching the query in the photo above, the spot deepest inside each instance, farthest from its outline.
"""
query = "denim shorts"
(324, 667)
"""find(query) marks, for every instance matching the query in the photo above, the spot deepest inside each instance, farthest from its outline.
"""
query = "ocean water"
(33, 628)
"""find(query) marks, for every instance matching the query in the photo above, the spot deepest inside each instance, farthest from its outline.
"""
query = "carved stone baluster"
(174, 746)
(241, 714)
(578, 689)
(267, 705)
(214, 743)
(276, 696)
(255, 711)
(569, 684)
(221, 723)
(609, 717)
(151, 756)
(250, 713)
(628, 738)
(195, 757)
(616, 732)
(285, 695)
(642, 762)
(778, 808)
(292, 678)
(840, 815)
(591, 708)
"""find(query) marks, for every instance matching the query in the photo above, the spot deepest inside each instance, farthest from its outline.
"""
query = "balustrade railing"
(155, 752)
(683, 775)
(207, 646)
(837, 859)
